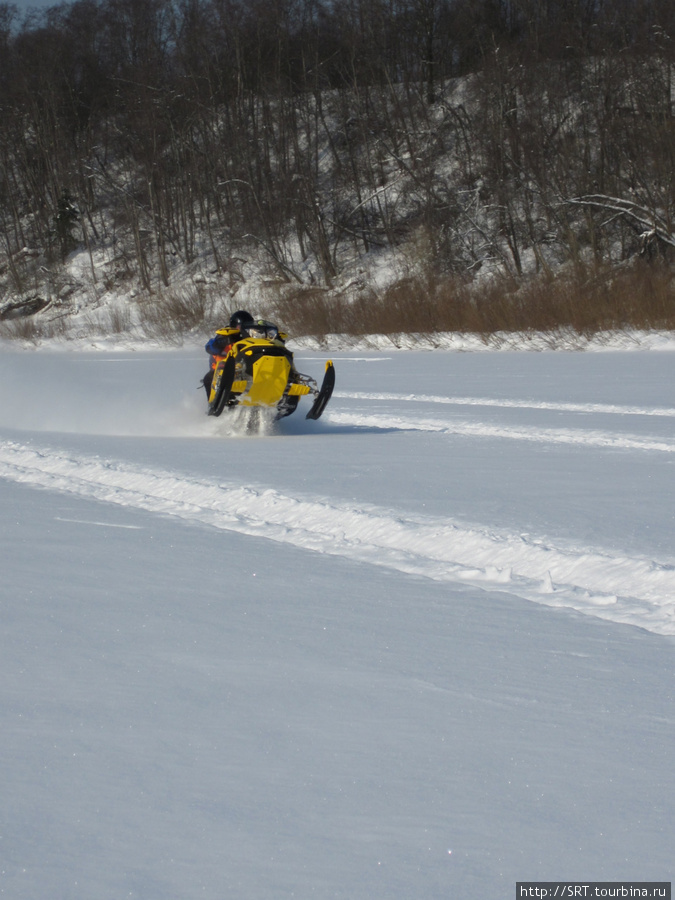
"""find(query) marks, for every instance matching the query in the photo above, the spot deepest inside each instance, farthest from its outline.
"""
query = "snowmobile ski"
(324, 394)
(223, 388)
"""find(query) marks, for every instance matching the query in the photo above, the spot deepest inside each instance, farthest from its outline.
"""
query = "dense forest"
(502, 153)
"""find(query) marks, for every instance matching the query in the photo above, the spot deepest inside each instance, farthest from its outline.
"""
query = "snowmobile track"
(631, 590)
(608, 408)
(582, 438)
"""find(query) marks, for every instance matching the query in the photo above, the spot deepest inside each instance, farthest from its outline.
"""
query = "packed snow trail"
(608, 408)
(631, 590)
(574, 436)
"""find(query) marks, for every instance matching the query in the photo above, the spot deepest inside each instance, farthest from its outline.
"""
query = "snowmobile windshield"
(263, 330)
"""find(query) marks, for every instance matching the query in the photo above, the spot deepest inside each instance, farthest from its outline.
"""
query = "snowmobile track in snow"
(574, 436)
(630, 590)
(609, 408)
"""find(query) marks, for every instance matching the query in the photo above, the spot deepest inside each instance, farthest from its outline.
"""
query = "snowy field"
(422, 648)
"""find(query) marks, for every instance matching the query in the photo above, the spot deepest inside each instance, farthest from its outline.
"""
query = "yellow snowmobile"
(259, 372)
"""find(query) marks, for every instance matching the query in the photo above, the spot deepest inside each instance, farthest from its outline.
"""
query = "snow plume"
(631, 590)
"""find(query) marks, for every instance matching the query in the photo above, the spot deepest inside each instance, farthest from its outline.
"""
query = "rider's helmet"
(241, 320)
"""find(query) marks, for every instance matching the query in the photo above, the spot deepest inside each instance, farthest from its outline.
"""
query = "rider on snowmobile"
(252, 367)
(242, 325)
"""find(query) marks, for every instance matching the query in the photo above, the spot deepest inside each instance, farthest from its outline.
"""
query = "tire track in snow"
(594, 438)
(609, 408)
(631, 590)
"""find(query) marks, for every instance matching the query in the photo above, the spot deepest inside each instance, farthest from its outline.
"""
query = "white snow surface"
(421, 648)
